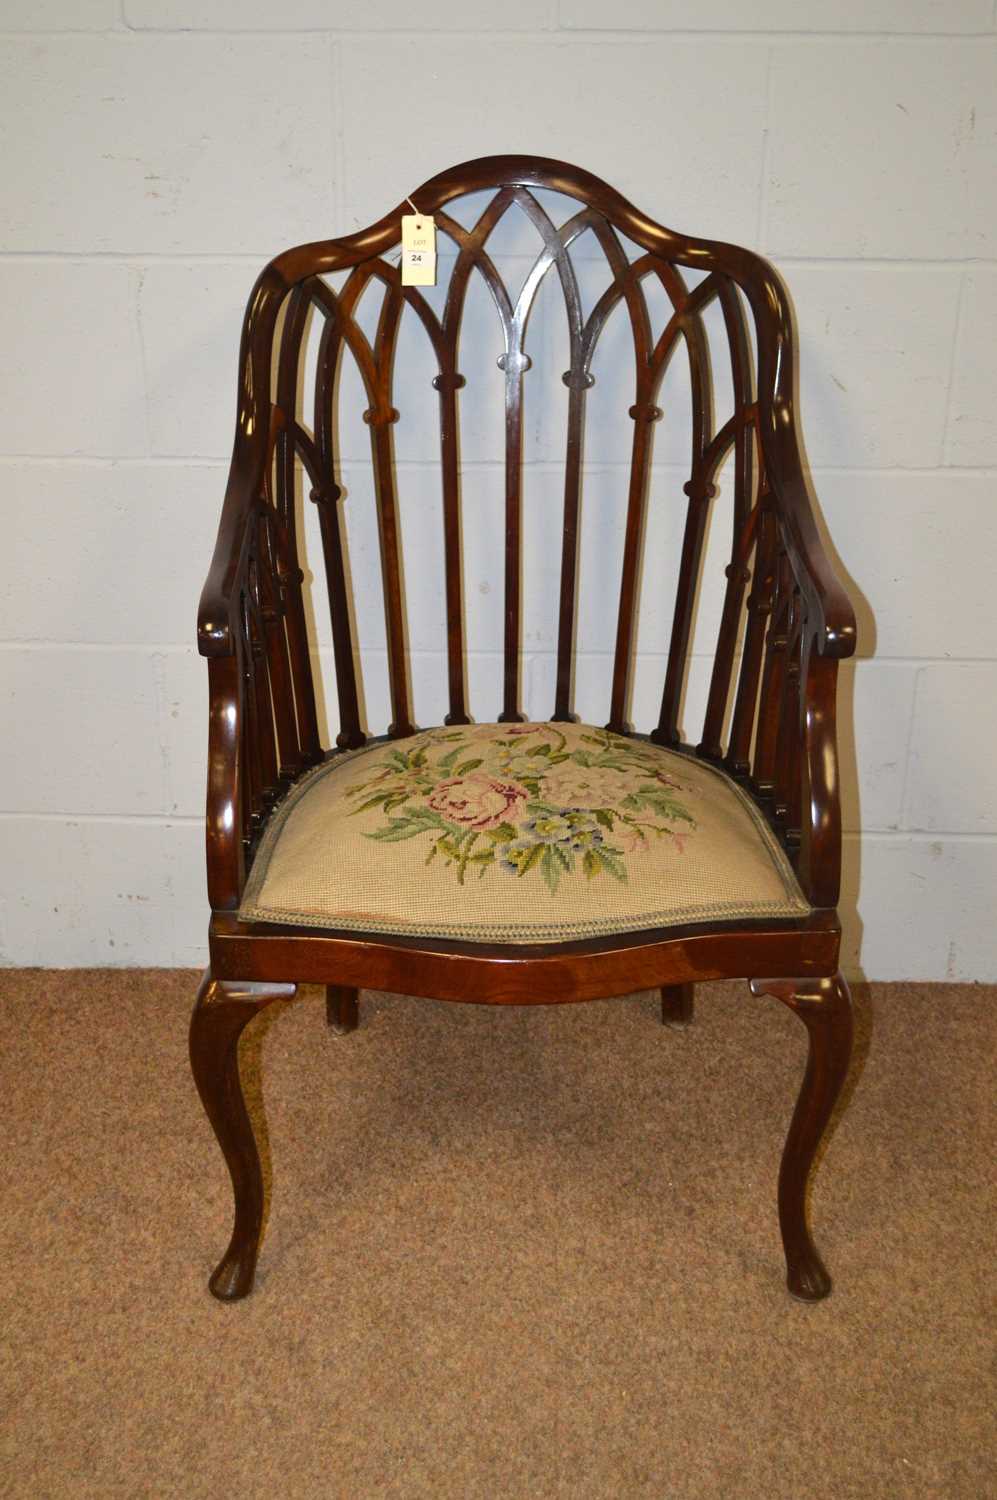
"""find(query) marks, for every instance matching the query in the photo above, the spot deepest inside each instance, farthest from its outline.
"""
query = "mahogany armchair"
(513, 862)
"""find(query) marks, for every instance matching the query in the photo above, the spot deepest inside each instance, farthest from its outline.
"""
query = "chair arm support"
(819, 866)
(224, 811)
(812, 568)
(219, 627)
(830, 607)
(217, 613)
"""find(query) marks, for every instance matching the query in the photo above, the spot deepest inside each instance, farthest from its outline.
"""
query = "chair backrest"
(322, 307)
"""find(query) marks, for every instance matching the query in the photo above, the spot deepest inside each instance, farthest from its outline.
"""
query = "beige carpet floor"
(510, 1253)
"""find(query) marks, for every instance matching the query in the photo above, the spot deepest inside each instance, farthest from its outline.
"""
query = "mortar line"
(137, 283)
(372, 649)
(338, 135)
(538, 466)
(953, 359)
(909, 738)
(617, 34)
(763, 205)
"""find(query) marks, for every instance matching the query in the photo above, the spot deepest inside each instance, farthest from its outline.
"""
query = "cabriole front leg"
(825, 1008)
(223, 1010)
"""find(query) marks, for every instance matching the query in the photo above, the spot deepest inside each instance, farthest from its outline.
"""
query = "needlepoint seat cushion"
(517, 833)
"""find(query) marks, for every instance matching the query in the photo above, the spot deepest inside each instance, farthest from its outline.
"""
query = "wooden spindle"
(744, 518)
(787, 788)
(387, 522)
(578, 380)
(273, 608)
(643, 414)
(777, 639)
(739, 347)
(738, 574)
(265, 730)
(253, 807)
(448, 383)
(667, 732)
(326, 493)
(759, 608)
(514, 363)
(700, 490)
(289, 572)
(380, 417)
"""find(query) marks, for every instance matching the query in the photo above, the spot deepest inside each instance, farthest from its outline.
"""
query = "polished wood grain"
(785, 620)
(825, 1008)
(521, 973)
(221, 1014)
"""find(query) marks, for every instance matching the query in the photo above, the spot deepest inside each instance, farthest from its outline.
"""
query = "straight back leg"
(676, 1004)
(342, 1008)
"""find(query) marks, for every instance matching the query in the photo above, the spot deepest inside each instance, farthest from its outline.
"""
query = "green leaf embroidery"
(397, 829)
(380, 800)
(549, 868)
(462, 862)
(607, 858)
(406, 778)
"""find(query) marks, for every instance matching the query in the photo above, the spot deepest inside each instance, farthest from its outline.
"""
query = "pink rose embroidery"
(477, 800)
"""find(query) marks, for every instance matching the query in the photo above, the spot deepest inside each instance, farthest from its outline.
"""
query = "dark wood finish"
(677, 1004)
(521, 974)
(320, 461)
(825, 1008)
(785, 623)
(342, 1008)
(221, 1014)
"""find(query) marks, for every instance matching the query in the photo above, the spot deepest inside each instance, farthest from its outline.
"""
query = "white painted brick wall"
(156, 152)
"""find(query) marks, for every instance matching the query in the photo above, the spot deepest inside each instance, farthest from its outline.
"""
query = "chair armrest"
(832, 615)
(819, 866)
(217, 622)
(221, 628)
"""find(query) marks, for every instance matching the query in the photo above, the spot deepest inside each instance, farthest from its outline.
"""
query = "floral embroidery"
(476, 801)
(527, 798)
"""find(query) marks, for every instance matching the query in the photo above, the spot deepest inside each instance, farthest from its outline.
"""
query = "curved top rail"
(777, 419)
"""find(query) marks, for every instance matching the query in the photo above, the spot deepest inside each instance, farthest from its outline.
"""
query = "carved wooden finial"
(515, 362)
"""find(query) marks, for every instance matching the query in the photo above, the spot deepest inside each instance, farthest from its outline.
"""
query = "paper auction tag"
(418, 250)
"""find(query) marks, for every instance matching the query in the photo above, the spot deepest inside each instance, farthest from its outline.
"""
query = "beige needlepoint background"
(539, 839)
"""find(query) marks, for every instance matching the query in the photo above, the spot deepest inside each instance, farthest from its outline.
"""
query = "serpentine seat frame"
(770, 711)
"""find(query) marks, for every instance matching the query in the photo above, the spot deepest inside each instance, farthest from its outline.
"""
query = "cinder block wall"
(156, 152)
